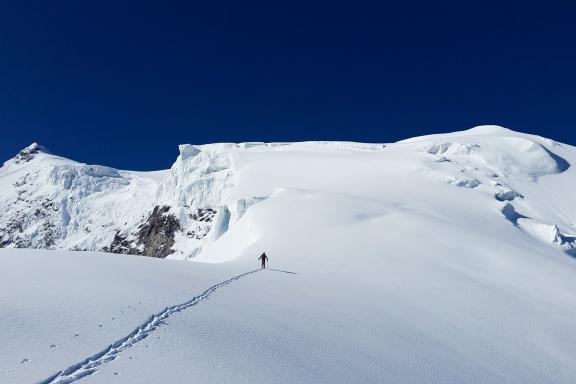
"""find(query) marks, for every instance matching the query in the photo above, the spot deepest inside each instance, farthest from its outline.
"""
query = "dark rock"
(121, 245)
(155, 237)
(28, 153)
(203, 214)
(157, 234)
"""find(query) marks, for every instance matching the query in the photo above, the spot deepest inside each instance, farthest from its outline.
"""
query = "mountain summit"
(29, 153)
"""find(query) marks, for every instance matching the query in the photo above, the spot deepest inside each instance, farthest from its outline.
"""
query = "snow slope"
(439, 259)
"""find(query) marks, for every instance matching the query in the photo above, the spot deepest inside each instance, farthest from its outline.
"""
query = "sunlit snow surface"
(440, 259)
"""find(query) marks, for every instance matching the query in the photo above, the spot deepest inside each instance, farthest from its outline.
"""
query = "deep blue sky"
(122, 83)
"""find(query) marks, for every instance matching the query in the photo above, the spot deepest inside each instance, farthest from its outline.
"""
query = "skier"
(264, 259)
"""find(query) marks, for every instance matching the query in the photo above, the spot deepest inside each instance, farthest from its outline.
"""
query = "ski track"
(91, 364)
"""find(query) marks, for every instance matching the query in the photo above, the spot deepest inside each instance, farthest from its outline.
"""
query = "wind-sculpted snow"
(549, 234)
(199, 177)
(451, 148)
(506, 156)
(86, 179)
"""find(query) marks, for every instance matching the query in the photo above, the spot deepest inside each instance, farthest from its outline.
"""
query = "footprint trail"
(91, 364)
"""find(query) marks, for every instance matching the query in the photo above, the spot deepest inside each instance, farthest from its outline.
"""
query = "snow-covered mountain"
(447, 258)
(55, 203)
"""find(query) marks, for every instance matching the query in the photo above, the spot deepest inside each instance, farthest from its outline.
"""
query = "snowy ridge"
(51, 202)
(91, 364)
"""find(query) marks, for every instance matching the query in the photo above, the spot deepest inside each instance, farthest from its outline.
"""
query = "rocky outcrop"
(202, 218)
(156, 236)
(28, 153)
(121, 244)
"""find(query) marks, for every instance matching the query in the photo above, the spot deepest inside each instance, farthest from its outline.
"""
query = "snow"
(79, 302)
(439, 259)
(59, 203)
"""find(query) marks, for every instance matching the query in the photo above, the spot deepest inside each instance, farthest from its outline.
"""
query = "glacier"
(446, 258)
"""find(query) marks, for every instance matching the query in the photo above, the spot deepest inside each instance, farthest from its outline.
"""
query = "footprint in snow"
(100, 325)
(53, 346)
(76, 335)
(117, 374)
(25, 361)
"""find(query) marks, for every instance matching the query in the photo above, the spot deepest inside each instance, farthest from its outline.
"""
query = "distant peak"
(36, 147)
(28, 153)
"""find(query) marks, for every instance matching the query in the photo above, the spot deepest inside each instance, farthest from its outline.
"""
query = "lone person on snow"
(264, 259)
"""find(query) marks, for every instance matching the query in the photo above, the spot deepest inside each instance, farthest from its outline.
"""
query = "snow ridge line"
(91, 364)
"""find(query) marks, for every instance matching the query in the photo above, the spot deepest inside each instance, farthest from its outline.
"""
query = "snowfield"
(439, 259)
